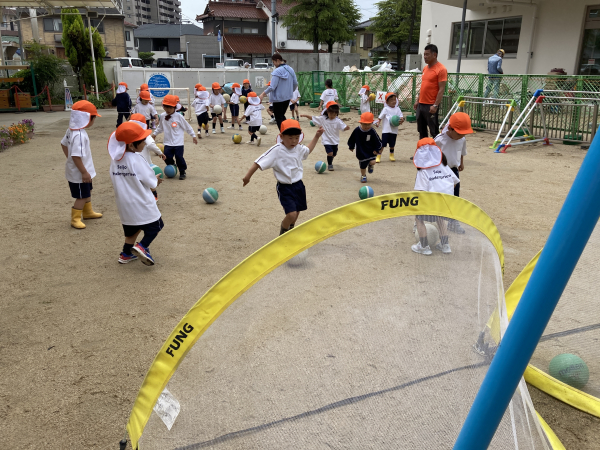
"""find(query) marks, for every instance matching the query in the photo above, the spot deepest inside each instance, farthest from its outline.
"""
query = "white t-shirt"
(365, 103)
(386, 115)
(253, 112)
(216, 100)
(173, 129)
(234, 98)
(147, 110)
(331, 129)
(436, 179)
(286, 163)
(200, 105)
(133, 179)
(78, 143)
(150, 147)
(295, 96)
(453, 149)
(329, 95)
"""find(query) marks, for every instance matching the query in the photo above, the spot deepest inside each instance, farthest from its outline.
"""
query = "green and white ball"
(210, 195)
(312, 124)
(320, 167)
(570, 369)
(395, 121)
(171, 171)
(157, 170)
(366, 192)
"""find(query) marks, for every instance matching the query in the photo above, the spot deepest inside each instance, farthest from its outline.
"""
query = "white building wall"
(556, 39)
(281, 35)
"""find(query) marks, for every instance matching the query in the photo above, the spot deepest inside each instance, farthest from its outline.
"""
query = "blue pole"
(558, 259)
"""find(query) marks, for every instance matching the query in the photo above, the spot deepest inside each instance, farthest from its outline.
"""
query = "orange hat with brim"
(122, 87)
(144, 87)
(389, 94)
(290, 124)
(253, 98)
(81, 114)
(198, 86)
(145, 95)
(329, 105)
(366, 117)
(427, 155)
(366, 86)
(125, 134)
(170, 100)
(461, 123)
(246, 81)
(216, 85)
(234, 85)
(139, 119)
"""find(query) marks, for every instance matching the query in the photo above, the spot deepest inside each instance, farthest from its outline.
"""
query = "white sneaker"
(258, 141)
(231, 127)
(222, 130)
(272, 121)
(250, 142)
(443, 248)
(214, 131)
(418, 249)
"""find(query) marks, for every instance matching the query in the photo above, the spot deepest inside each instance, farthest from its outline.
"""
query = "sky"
(192, 8)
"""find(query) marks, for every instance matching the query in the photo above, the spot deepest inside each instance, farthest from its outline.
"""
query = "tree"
(319, 21)
(146, 57)
(398, 22)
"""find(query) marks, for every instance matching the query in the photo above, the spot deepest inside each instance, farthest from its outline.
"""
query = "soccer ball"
(236, 138)
(226, 97)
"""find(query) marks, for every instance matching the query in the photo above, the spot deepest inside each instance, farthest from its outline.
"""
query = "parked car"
(261, 65)
(171, 63)
(234, 64)
(130, 62)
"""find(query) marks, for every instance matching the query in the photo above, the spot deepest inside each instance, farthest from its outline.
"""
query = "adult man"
(494, 68)
(281, 90)
(433, 83)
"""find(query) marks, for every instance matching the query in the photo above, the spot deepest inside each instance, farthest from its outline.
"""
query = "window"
(250, 30)
(98, 24)
(485, 37)
(361, 41)
(127, 36)
(129, 8)
(367, 41)
(235, 30)
(291, 36)
(160, 45)
(52, 25)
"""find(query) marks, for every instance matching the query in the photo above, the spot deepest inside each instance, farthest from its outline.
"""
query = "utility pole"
(93, 57)
(273, 26)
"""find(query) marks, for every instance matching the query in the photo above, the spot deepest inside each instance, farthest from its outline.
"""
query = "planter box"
(54, 108)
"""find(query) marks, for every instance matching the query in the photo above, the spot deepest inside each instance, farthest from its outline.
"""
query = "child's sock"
(214, 124)
(252, 137)
(391, 150)
(127, 249)
(292, 226)
(424, 241)
(330, 160)
(283, 230)
(444, 240)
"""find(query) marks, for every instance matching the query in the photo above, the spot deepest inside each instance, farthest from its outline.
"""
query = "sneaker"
(455, 227)
(144, 254)
(330, 167)
(422, 250)
(241, 129)
(258, 140)
(222, 130)
(231, 127)
(124, 259)
(392, 158)
(378, 159)
(363, 179)
(443, 248)
(272, 121)
(250, 142)
(214, 131)
(182, 176)
(370, 168)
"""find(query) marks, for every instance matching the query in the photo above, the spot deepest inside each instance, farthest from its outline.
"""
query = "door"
(589, 61)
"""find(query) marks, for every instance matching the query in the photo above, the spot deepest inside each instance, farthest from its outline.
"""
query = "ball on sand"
(263, 129)
(366, 192)
(217, 109)
(312, 123)
(226, 97)
(299, 259)
(236, 138)
(243, 99)
(570, 369)
(433, 235)
(157, 170)
(170, 171)
(371, 97)
(210, 195)
(395, 121)
(161, 147)
(320, 167)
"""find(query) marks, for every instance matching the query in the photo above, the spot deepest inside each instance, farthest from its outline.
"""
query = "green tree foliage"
(319, 21)
(76, 40)
(398, 22)
(146, 57)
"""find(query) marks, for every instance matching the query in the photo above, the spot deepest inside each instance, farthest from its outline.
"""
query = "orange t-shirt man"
(429, 83)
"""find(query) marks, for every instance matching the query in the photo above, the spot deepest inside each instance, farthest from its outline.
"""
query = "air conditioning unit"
(282, 44)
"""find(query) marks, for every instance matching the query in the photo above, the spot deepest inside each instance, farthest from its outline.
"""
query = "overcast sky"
(192, 8)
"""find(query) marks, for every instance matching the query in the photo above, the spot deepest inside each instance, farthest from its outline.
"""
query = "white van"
(131, 62)
(234, 64)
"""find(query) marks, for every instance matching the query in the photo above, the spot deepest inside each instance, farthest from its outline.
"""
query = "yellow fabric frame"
(218, 298)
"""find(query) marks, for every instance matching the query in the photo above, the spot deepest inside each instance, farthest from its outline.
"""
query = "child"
(389, 132)
(294, 107)
(329, 95)
(365, 103)
(144, 87)
(254, 117)
(453, 143)
(150, 145)
(200, 104)
(179, 108)
(367, 143)
(270, 110)
(234, 105)
(123, 103)
(246, 89)
(332, 125)
(433, 175)
(133, 180)
(285, 158)
(174, 125)
(197, 89)
(79, 168)
(144, 107)
(216, 99)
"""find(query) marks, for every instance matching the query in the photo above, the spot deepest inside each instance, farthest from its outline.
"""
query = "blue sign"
(158, 81)
(219, 36)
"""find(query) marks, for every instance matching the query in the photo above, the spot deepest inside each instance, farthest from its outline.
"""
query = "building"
(47, 29)
(364, 42)
(168, 40)
(536, 36)
(141, 12)
(130, 43)
(9, 27)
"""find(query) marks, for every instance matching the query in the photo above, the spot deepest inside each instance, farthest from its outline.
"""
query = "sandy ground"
(79, 331)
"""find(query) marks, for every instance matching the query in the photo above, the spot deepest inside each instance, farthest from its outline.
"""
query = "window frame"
(54, 21)
(127, 35)
(98, 22)
(466, 44)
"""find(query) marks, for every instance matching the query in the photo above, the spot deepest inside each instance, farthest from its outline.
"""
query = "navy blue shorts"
(292, 106)
(149, 228)
(292, 196)
(235, 110)
(80, 190)
(331, 149)
(388, 138)
(253, 129)
(364, 164)
(202, 118)
(213, 115)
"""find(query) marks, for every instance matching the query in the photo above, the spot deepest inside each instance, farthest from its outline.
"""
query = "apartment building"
(140, 12)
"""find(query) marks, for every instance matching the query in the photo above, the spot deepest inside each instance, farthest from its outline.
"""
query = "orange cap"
(389, 94)
(202, 88)
(198, 86)
(461, 123)
(85, 106)
(144, 87)
(139, 117)
(246, 81)
(366, 86)
(122, 83)
(216, 85)
(426, 141)
(170, 100)
(176, 98)
(145, 95)
(234, 85)
(252, 94)
(269, 83)
(330, 104)
(366, 117)
(289, 124)
(131, 132)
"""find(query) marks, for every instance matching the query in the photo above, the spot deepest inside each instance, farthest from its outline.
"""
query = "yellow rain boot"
(88, 212)
(378, 159)
(392, 157)
(76, 219)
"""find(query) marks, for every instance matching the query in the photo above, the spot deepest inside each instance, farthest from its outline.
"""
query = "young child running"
(294, 107)
(150, 145)
(329, 94)
(197, 89)
(389, 132)
(133, 181)
(145, 108)
(246, 89)
(174, 125)
(365, 103)
(453, 143)
(201, 103)
(433, 175)
(254, 117)
(234, 106)
(79, 168)
(216, 99)
(367, 143)
(285, 158)
(123, 103)
(332, 125)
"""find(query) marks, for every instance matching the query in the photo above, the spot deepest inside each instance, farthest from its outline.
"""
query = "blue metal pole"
(566, 242)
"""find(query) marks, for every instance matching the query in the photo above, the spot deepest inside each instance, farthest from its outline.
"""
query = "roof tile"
(237, 10)
(243, 43)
